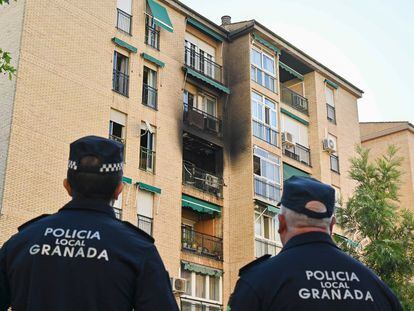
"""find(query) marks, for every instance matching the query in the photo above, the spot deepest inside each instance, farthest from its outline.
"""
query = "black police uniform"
(82, 258)
(294, 280)
(311, 272)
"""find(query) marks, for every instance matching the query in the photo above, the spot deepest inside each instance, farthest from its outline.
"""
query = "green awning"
(205, 79)
(149, 188)
(153, 60)
(203, 28)
(273, 209)
(126, 180)
(293, 116)
(200, 205)
(266, 43)
(289, 171)
(160, 15)
(192, 267)
(332, 84)
(291, 71)
(125, 45)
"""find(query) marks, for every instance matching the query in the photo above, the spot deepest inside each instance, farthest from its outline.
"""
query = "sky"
(368, 42)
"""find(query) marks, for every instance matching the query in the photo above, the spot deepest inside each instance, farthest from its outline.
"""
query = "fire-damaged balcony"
(202, 165)
(201, 120)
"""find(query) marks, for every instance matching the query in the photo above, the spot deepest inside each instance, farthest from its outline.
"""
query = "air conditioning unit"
(329, 145)
(178, 285)
(287, 139)
(212, 181)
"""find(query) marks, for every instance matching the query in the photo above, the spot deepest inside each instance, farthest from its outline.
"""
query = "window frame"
(125, 73)
(264, 72)
(277, 165)
(150, 88)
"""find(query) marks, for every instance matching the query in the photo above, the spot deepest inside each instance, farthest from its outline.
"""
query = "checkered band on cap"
(72, 165)
(111, 167)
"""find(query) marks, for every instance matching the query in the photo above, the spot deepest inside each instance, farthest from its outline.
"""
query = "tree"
(5, 57)
(383, 231)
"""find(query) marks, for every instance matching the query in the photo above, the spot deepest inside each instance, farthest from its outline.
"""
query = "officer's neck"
(301, 230)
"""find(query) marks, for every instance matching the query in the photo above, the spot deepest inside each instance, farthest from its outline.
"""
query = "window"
(266, 168)
(334, 159)
(149, 88)
(118, 207)
(152, 33)
(330, 104)
(117, 125)
(147, 151)
(299, 150)
(264, 113)
(120, 82)
(145, 203)
(263, 70)
(188, 100)
(267, 239)
(123, 21)
(338, 197)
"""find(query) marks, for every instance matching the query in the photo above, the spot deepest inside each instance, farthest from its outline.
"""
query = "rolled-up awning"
(160, 15)
(199, 205)
(205, 79)
(192, 267)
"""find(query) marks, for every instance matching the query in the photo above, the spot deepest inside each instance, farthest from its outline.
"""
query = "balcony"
(294, 100)
(201, 64)
(263, 247)
(147, 160)
(188, 304)
(265, 132)
(123, 21)
(330, 113)
(201, 120)
(297, 152)
(145, 224)
(266, 190)
(201, 244)
(120, 82)
(334, 163)
(149, 96)
(202, 180)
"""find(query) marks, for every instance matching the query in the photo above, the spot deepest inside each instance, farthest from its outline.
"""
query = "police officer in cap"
(82, 257)
(310, 272)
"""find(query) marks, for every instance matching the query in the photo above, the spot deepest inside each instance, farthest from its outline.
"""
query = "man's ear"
(333, 222)
(118, 191)
(67, 186)
(282, 224)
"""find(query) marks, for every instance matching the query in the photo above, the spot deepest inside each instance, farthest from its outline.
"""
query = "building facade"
(213, 119)
(377, 136)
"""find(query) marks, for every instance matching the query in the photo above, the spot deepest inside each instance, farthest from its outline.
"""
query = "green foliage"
(383, 232)
(5, 58)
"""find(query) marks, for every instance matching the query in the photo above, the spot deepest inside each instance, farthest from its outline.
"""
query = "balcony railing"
(265, 133)
(263, 247)
(152, 37)
(334, 163)
(201, 119)
(265, 189)
(202, 179)
(149, 96)
(298, 152)
(200, 63)
(202, 244)
(188, 304)
(330, 113)
(145, 224)
(117, 138)
(123, 21)
(120, 82)
(295, 100)
(147, 159)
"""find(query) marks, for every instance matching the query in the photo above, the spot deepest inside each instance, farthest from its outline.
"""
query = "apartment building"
(377, 136)
(213, 119)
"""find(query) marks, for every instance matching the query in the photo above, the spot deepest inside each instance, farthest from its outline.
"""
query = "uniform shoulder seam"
(31, 221)
(138, 231)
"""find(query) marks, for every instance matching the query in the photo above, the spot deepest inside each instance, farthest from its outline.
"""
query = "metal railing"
(117, 138)
(147, 159)
(188, 304)
(149, 96)
(145, 224)
(120, 82)
(203, 65)
(263, 247)
(152, 37)
(265, 132)
(202, 180)
(265, 189)
(334, 163)
(201, 119)
(330, 113)
(202, 244)
(294, 100)
(298, 152)
(118, 212)
(123, 21)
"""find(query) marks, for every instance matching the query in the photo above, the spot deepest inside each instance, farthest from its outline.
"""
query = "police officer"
(82, 257)
(310, 272)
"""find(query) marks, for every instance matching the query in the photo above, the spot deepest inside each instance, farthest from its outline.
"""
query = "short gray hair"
(297, 220)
